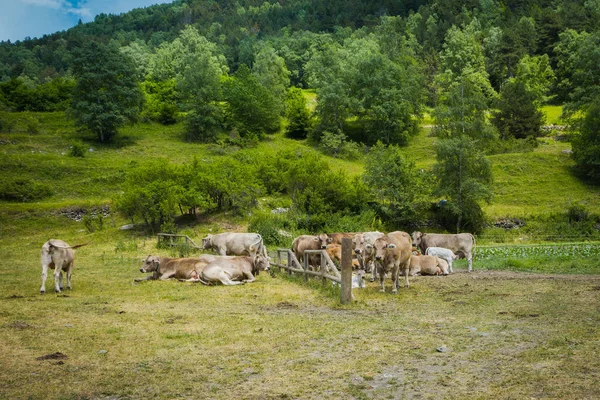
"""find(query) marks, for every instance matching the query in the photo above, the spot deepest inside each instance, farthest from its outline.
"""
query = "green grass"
(553, 114)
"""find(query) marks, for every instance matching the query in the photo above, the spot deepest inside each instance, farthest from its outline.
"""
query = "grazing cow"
(363, 248)
(237, 244)
(333, 238)
(392, 254)
(59, 256)
(461, 243)
(188, 269)
(445, 254)
(307, 242)
(334, 251)
(427, 265)
(234, 270)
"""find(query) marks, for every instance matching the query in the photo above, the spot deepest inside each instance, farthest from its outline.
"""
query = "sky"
(35, 18)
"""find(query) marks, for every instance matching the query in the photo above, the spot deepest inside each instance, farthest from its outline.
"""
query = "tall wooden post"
(346, 292)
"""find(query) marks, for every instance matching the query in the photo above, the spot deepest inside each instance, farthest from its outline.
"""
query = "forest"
(354, 79)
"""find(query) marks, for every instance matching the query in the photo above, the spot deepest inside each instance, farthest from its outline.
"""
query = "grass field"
(525, 324)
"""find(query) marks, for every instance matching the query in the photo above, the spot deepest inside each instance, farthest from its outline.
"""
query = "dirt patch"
(19, 325)
(54, 356)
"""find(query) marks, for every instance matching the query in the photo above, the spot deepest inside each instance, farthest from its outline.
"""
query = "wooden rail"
(169, 239)
(327, 271)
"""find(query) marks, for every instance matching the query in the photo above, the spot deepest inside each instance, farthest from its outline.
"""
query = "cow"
(427, 265)
(234, 271)
(187, 269)
(358, 280)
(234, 243)
(392, 254)
(333, 238)
(59, 256)
(334, 251)
(362, 243)
(445, 254)
(461, 243)
(306, 242)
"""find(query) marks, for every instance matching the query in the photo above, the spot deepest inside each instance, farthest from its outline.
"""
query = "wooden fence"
(327, 271)
(169, 239)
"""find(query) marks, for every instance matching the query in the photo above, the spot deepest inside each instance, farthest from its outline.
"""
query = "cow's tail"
(69, 247)
(259, 247)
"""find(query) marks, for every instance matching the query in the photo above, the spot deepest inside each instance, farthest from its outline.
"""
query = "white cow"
(236, 244)
(59, 256)
(444, 254)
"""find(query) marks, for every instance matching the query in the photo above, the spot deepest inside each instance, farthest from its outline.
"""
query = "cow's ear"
(391, 246)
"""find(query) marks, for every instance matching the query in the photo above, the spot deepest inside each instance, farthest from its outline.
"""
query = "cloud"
(67, 7)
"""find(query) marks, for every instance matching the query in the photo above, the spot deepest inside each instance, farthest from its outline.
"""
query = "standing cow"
(392, 254)
(362, 243)
(461, 243)
(59, 256)
(236, 244)
(307, 242)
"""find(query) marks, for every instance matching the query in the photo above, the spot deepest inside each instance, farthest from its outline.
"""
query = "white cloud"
(65, 6)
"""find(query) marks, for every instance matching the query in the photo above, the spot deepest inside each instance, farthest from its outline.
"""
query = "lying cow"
(234, 243)
(427, 265)
(234, 270)
(445, 254)
(362, 243)
(334, 251)
(59, 256)
(392, 254)
(461, 243)
(187, 269)
(358, 280)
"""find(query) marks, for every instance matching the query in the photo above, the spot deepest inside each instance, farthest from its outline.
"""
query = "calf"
(235, 270)
(59, 256)
(427, 265)
(445, 254)
(392, 254)
(334, 251)
(188, 269)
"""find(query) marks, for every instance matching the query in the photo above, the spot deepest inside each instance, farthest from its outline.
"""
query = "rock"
(442, 349)
(126, 227)
(102, 351)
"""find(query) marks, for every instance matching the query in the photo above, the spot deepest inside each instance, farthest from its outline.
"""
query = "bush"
(24, 190)
(577, 213)
(276, 230)
(78, 149)
(32, 125)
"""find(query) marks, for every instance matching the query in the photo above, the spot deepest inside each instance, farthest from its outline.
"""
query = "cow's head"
(207, 242)
(324, 240)
(380, 248)
(358, 243)
(151, 264)
(360, 278)
(416, 237)
(261, 263)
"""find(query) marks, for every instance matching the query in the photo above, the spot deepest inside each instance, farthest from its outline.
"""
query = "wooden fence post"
(346, 291)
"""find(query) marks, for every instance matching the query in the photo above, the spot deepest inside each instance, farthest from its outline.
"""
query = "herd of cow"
(241, 256)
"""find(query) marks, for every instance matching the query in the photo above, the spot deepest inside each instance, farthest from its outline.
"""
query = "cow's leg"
(450, 266)
(381, 280)
(406, 270)
(249, 277)
(470, 262)
(225, 279)
(167, 275)
(58, 279)
(222, 251)
(68, 272)
(44, 276)
(373, 270)
(395, 280)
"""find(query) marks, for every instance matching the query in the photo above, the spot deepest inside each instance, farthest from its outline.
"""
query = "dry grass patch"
(479, 335)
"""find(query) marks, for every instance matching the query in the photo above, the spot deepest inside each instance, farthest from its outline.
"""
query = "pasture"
(488, 334)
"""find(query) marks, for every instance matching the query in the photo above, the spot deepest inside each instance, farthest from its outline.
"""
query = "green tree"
(518, 115)
(464, 178)
(586, 147)
(297, 114)
(270, 70)
(107, 94)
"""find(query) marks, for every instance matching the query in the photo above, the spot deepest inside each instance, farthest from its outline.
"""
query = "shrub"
(78, 149)
(276, 230)
(24, 190)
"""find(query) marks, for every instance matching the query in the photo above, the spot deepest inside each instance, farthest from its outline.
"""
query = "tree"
(298, 115)
(107, 94)
(586, 147)
(394, 181)
(272, 73)
(518, 115)
(464, 179)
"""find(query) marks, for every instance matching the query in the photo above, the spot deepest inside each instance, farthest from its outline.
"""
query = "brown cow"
(303, 243)
(187, 269)
(234, 270)
(392, 254)
(427, 265)
(362, 243)
(461, 243)
(59, 256)
(334, 238)
(334, 251)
